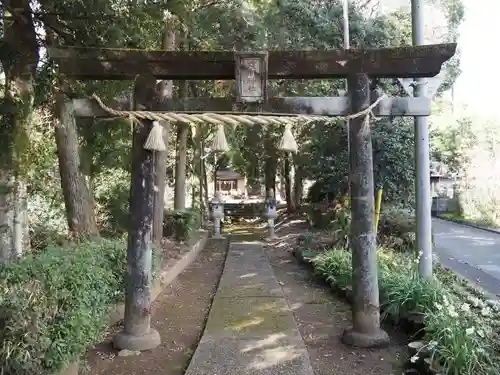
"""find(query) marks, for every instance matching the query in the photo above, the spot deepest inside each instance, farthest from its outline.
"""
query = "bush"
(335, 267)
(319, 217)
(461, 340)
(180, 224)
(112, 194)
(54, 305)
(327, 188)
(402, 294)
(48, 225)
(327, 214)
(397, 229)
(461, 336)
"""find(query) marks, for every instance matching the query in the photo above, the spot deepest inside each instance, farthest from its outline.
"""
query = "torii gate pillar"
(366, 331)
(137, 333)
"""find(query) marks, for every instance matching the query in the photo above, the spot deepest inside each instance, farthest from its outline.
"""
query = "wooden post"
(161, 184)
(180, 168)
(289, 170)
(366, 331)
(165, 89)
(137, 333)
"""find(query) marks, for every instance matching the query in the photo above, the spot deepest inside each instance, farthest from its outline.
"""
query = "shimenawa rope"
(155, 142)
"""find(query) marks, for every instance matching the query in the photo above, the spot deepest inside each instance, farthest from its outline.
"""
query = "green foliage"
(254, 24)
(180, 225)
(323, 147)
(393, 160)
(112, 193)
(325, 160)
(46, 214)
(460, 219)
(403, 294)
(53, 306)
(461, 340)
(460, 326)
(397, 229)
(48, 225)
(461, 336)
(468, 146)
(396, 226)
(335, 267)
(334, 219)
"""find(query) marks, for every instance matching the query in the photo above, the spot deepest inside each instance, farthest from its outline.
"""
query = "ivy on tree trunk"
(19, 60)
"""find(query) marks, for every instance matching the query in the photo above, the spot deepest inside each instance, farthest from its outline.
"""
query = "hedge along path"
(155, 142)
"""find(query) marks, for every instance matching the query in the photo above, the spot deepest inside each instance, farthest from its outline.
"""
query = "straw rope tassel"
(288, 142)
(155, 138)
(220, 143)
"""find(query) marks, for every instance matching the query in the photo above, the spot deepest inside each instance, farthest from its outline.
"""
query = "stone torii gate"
(357, 65)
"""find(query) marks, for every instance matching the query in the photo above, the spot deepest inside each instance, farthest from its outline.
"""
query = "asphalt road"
(472, 253)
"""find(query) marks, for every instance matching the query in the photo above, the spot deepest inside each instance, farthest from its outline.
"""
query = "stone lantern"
(217, 214)
(270, 213)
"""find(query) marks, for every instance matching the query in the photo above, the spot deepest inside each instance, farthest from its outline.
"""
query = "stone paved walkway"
(251, 329)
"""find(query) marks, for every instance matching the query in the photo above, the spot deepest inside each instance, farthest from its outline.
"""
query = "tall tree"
(19, 61)
(166, 93)
(77, 199)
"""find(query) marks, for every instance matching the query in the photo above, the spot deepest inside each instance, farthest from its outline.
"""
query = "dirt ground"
(322, 317)
(179, 314)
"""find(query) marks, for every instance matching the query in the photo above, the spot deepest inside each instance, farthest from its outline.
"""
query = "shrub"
(319, 216)
(333, 215)
(397, 222)
(404, 293)
(335, 267)
(112, 193)
(460, 340)
(461, 336)
(397, 229)
(48, 225)
(180, 224)
(54, 305)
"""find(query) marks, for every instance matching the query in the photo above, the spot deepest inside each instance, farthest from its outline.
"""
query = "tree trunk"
(165, 92)
(205, 178)
(270, 173)
(180, 168)
(77, 198)
(366, 330)
(20, 65)
(298, 189)
(201, 181)
(289, 180)
(137, 333)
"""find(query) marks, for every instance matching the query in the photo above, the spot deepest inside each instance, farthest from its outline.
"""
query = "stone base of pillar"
(148, 341)
(377, 339)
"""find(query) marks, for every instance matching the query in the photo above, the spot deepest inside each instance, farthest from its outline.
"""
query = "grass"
(460, 324)
(461, 331)
(465, 220)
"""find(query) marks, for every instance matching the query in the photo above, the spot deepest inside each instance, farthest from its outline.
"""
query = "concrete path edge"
(209, 335)
(166, 276)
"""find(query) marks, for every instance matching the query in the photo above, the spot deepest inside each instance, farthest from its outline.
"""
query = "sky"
(477, 86)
